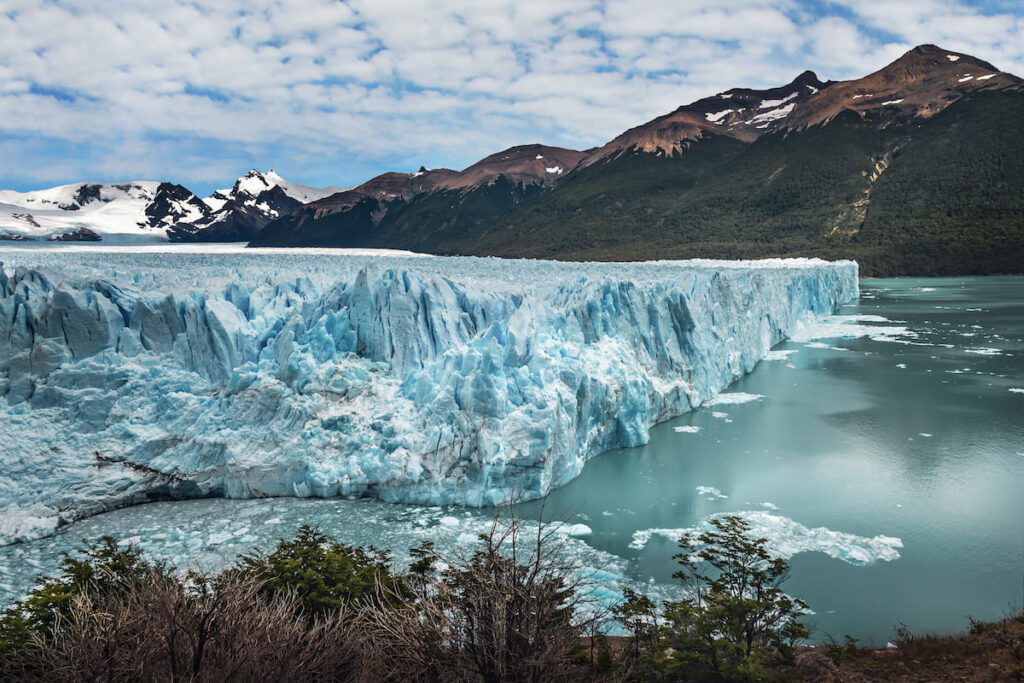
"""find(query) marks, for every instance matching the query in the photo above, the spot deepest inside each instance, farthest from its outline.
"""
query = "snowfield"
(128, 376)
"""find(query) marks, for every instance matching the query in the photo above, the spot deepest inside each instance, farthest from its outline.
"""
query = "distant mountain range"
(917, 168)
(147, 211)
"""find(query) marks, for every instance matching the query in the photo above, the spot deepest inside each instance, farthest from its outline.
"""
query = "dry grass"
(989, 652)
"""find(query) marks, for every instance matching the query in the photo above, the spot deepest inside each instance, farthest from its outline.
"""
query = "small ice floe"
(606, 513)
(719, 415)
(780, 354)
(273, 520)
(769, 506)
(449, 521)
(686, 429)
(711, 493)
(923, 434)
(1016, 390)
(573, 529)
(901, 366)
(733, 398)
(985, 351)
(927, 289)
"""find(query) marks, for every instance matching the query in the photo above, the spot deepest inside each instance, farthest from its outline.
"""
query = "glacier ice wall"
(127, 377)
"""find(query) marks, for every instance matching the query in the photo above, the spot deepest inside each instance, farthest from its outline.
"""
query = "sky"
(332, 93)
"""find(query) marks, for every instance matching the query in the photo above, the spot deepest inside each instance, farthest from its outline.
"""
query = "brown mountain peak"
(528, 164)
(922, 82)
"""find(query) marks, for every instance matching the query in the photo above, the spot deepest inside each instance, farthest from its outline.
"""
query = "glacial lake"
(881, 451)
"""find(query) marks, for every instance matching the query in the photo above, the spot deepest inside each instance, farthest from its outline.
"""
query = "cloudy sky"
(330, 92)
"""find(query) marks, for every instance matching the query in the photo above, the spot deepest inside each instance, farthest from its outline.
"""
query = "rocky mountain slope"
(915, 168)
(502, 180)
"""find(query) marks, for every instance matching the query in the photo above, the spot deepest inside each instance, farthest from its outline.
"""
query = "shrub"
(104, 568)
(323, 574)
(738, 624)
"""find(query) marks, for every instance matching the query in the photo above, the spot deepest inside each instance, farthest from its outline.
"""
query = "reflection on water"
(888, 466)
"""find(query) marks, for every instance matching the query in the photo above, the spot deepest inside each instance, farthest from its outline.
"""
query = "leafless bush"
(515, 610)
(164, 630)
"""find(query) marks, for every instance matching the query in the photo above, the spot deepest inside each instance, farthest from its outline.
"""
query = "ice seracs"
(129, 376)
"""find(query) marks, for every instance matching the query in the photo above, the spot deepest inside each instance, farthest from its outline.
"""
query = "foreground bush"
(512, 611)
(316, 610)
(163, 629)
(313, 609)
(103, 569)
(324, 575)
(738, 625)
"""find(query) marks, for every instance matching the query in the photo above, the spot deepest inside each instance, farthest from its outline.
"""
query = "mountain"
(91, 212)
(917, 168)
(236, 214)
(147, 211)
(440, 198)
(740, 113)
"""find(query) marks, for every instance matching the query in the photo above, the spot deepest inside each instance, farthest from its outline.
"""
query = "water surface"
(884, 453)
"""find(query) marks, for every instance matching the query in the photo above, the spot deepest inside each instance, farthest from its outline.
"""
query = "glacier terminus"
(132, 376)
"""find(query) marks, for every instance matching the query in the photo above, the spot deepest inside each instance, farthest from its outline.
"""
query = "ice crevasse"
(132, 377)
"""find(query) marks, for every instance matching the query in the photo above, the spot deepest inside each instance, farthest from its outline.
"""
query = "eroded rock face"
(417, 380)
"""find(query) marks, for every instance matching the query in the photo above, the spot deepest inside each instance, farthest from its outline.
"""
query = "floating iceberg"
(785, 538)
(128, 377)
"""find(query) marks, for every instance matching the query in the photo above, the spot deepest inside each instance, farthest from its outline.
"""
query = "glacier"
(132, 376)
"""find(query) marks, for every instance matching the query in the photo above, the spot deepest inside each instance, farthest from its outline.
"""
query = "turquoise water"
(882, 452)
(920, 439)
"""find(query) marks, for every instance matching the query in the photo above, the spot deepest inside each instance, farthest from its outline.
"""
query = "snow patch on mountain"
(768, 104)
(773, 115)
(718, 116)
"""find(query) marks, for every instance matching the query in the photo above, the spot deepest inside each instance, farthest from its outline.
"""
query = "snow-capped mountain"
(149, 211)
(84, 211)
(239, 212)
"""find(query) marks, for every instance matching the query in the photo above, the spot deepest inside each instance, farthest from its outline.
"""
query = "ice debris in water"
(711, 493)
(427, 380)
(786, 538)
(180, 533)
(852, 326)
(686, 429)
(733, 398)
(779, 354)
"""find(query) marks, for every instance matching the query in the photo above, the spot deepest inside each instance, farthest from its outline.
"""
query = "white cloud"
(141, 88)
